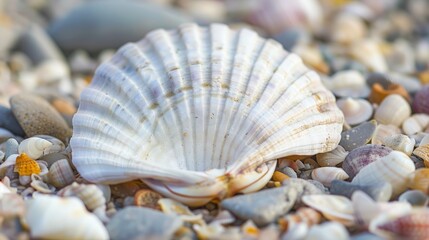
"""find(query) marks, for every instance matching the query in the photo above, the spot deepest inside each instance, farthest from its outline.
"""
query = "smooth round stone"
(37, 117)
(262, 207)
(11, 147)
(9, 122)
(380, 193)
(357, 136)
(142, 223)
(98, 25)
(290, 37)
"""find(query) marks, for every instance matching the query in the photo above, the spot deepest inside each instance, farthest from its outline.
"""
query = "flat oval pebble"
(358, 136)
(37, 117)
(262, 207)
(379, 192)
(142, 223)
(116, 23)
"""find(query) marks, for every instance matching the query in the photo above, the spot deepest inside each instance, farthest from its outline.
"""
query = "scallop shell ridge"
(200, 112)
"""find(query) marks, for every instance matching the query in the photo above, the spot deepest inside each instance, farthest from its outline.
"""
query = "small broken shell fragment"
(335, 208)
(355, 111)
(249, 229)
(419, 180)
(147, 198)
(90, 194)
(422, 152)
(379, 93)
(368, 53)
(326, 175)
(40, 186)
(57, 144)
(332, 158)
(34, 147)
(382, 132)
(416, 123)
(357, 136)
(25, 166)
(400, 142)
(393, 110)
(305, 215)
(61, 174)
(171, 207)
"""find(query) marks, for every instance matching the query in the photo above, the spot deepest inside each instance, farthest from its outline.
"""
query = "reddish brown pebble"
(421, 101)
(127, 189)
(147, 198)
(378, 93)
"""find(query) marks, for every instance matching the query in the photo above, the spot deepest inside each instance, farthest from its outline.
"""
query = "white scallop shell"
(393, 168)
(52, 217)
(200, 113)
(34, 147)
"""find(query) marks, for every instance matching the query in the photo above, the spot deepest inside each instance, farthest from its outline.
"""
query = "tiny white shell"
(34, 147)
(332, 158)
(394, 109)
(355, 111)
(57, 145)
(400, 143)
(416, 123)
(52, 217)
(326, 175)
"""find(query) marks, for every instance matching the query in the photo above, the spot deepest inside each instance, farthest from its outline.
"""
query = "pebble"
(380, 193)
(9, 122)
(127, 189)
(75, 31)
(37, 117)
(147, 198)
(365, 236)
(262, 207)
(11, 147)
(142, 223)
(303, 187)
(358, 136)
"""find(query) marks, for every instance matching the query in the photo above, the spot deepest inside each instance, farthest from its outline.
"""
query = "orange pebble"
(25, 166)
(63, 106)
(279, 176)
(424, 77)
(378, 93)
(419, 180)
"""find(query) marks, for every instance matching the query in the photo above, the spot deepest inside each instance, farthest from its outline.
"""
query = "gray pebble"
(262, 207)
(366, 236)
(9, 122)
(379, 78)
(98, 25)
(290, 37)
(358, 136)
(11, 147)
(302, 187)
(380, 193)
(416, 198)
(5, 135)
(289, 172)
(38, 45)
(142, 223)
(36, 116)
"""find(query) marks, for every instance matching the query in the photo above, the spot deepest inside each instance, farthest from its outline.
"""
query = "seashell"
(249, 229)
(421, 103)
(422, 152)
(57, 145)
(11, 205)
(90, 195)
(40, 186)
(309, 164)
(332, 158)
(419, 180)
(288, 171)
(297, 231)
(355, 111)
(379, 93)
(416, 123)
(326, 175)
(304, 215)
(362, 156)
(147, 198)
(348, 83)
(393, 168)
(311, 56)
(382, 132)
(276, 16)
(328, 231)
(347, 28)
(409, 226)
(2, 154)
(224, 217)
(234, 154)
(401, 57)
(34, 147)
(381, 192)
(358, 136)
(210, 231)
(400, 142)
(171, 207)
(368, 53)
(410, 83)
(76, 222)
(393, 110)
(61, 174)
(25, 166)
(335, 208)
(415, 197)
